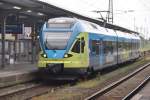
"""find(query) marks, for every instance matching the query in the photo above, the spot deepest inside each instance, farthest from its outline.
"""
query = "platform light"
(29, 11)
(16, 7)
(40, 14)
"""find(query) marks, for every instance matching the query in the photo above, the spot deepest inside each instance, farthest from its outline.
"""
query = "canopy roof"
(37, 11)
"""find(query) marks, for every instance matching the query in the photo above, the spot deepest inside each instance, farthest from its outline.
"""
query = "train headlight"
(44, 55)
(66, 55)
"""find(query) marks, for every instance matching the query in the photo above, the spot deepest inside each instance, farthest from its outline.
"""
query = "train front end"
(63, 46)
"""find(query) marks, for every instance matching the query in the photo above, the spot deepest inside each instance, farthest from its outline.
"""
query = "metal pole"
(3, 40)
(15, 41)
(33, 44)
(110, 12)
(28, 47)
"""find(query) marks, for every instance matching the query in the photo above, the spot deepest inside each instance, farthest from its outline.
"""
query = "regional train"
(71, 44)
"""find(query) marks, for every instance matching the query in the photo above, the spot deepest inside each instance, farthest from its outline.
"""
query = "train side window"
(119, 44)
(124, 45)
(76, 47)
(129, 45)
(139, 44)
(136, 44)
(108, 47)
(95, 47)
(132, 46)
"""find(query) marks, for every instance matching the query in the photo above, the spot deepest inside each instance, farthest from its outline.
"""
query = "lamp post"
(3, 40)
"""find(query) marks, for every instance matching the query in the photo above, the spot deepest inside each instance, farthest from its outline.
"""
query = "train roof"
(92, 27)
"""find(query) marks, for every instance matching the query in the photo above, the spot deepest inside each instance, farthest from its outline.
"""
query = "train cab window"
(76, 47)
(60, 23)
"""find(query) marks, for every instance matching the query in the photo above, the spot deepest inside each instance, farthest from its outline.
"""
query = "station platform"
(144, 94)
(18, 73)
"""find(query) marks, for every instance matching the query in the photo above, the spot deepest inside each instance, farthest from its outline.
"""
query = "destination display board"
(13, 29)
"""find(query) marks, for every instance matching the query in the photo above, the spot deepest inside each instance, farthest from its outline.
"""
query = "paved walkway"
(18, 67)
(13, 74)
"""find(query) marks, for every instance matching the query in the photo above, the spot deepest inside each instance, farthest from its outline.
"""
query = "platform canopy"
(35, 10)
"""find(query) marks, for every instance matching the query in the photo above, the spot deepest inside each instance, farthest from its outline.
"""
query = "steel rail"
(17, 90)
(21, 88)
(137, 89)
(115, 84)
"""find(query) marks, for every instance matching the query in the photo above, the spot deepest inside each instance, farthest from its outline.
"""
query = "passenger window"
(108, 47)
(76, 47)
(95, 47)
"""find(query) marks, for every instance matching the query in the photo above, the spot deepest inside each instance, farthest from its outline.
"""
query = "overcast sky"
(139, 17)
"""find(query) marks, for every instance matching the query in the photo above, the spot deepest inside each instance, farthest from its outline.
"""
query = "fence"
(20, 51)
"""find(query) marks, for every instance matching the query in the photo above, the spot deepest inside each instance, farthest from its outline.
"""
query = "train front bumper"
(67, 64)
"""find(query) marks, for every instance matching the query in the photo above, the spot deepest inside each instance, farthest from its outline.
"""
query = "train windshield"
(56, 40)
(60, 23)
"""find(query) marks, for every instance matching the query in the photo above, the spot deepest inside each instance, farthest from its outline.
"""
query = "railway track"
(31, 89)
(119, 89)
(137, 89)
(22, 91)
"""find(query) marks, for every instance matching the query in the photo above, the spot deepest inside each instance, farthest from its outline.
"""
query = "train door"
(78, 53)
(101, 52)
(108, 53)
(99, 58)
(82, 51)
